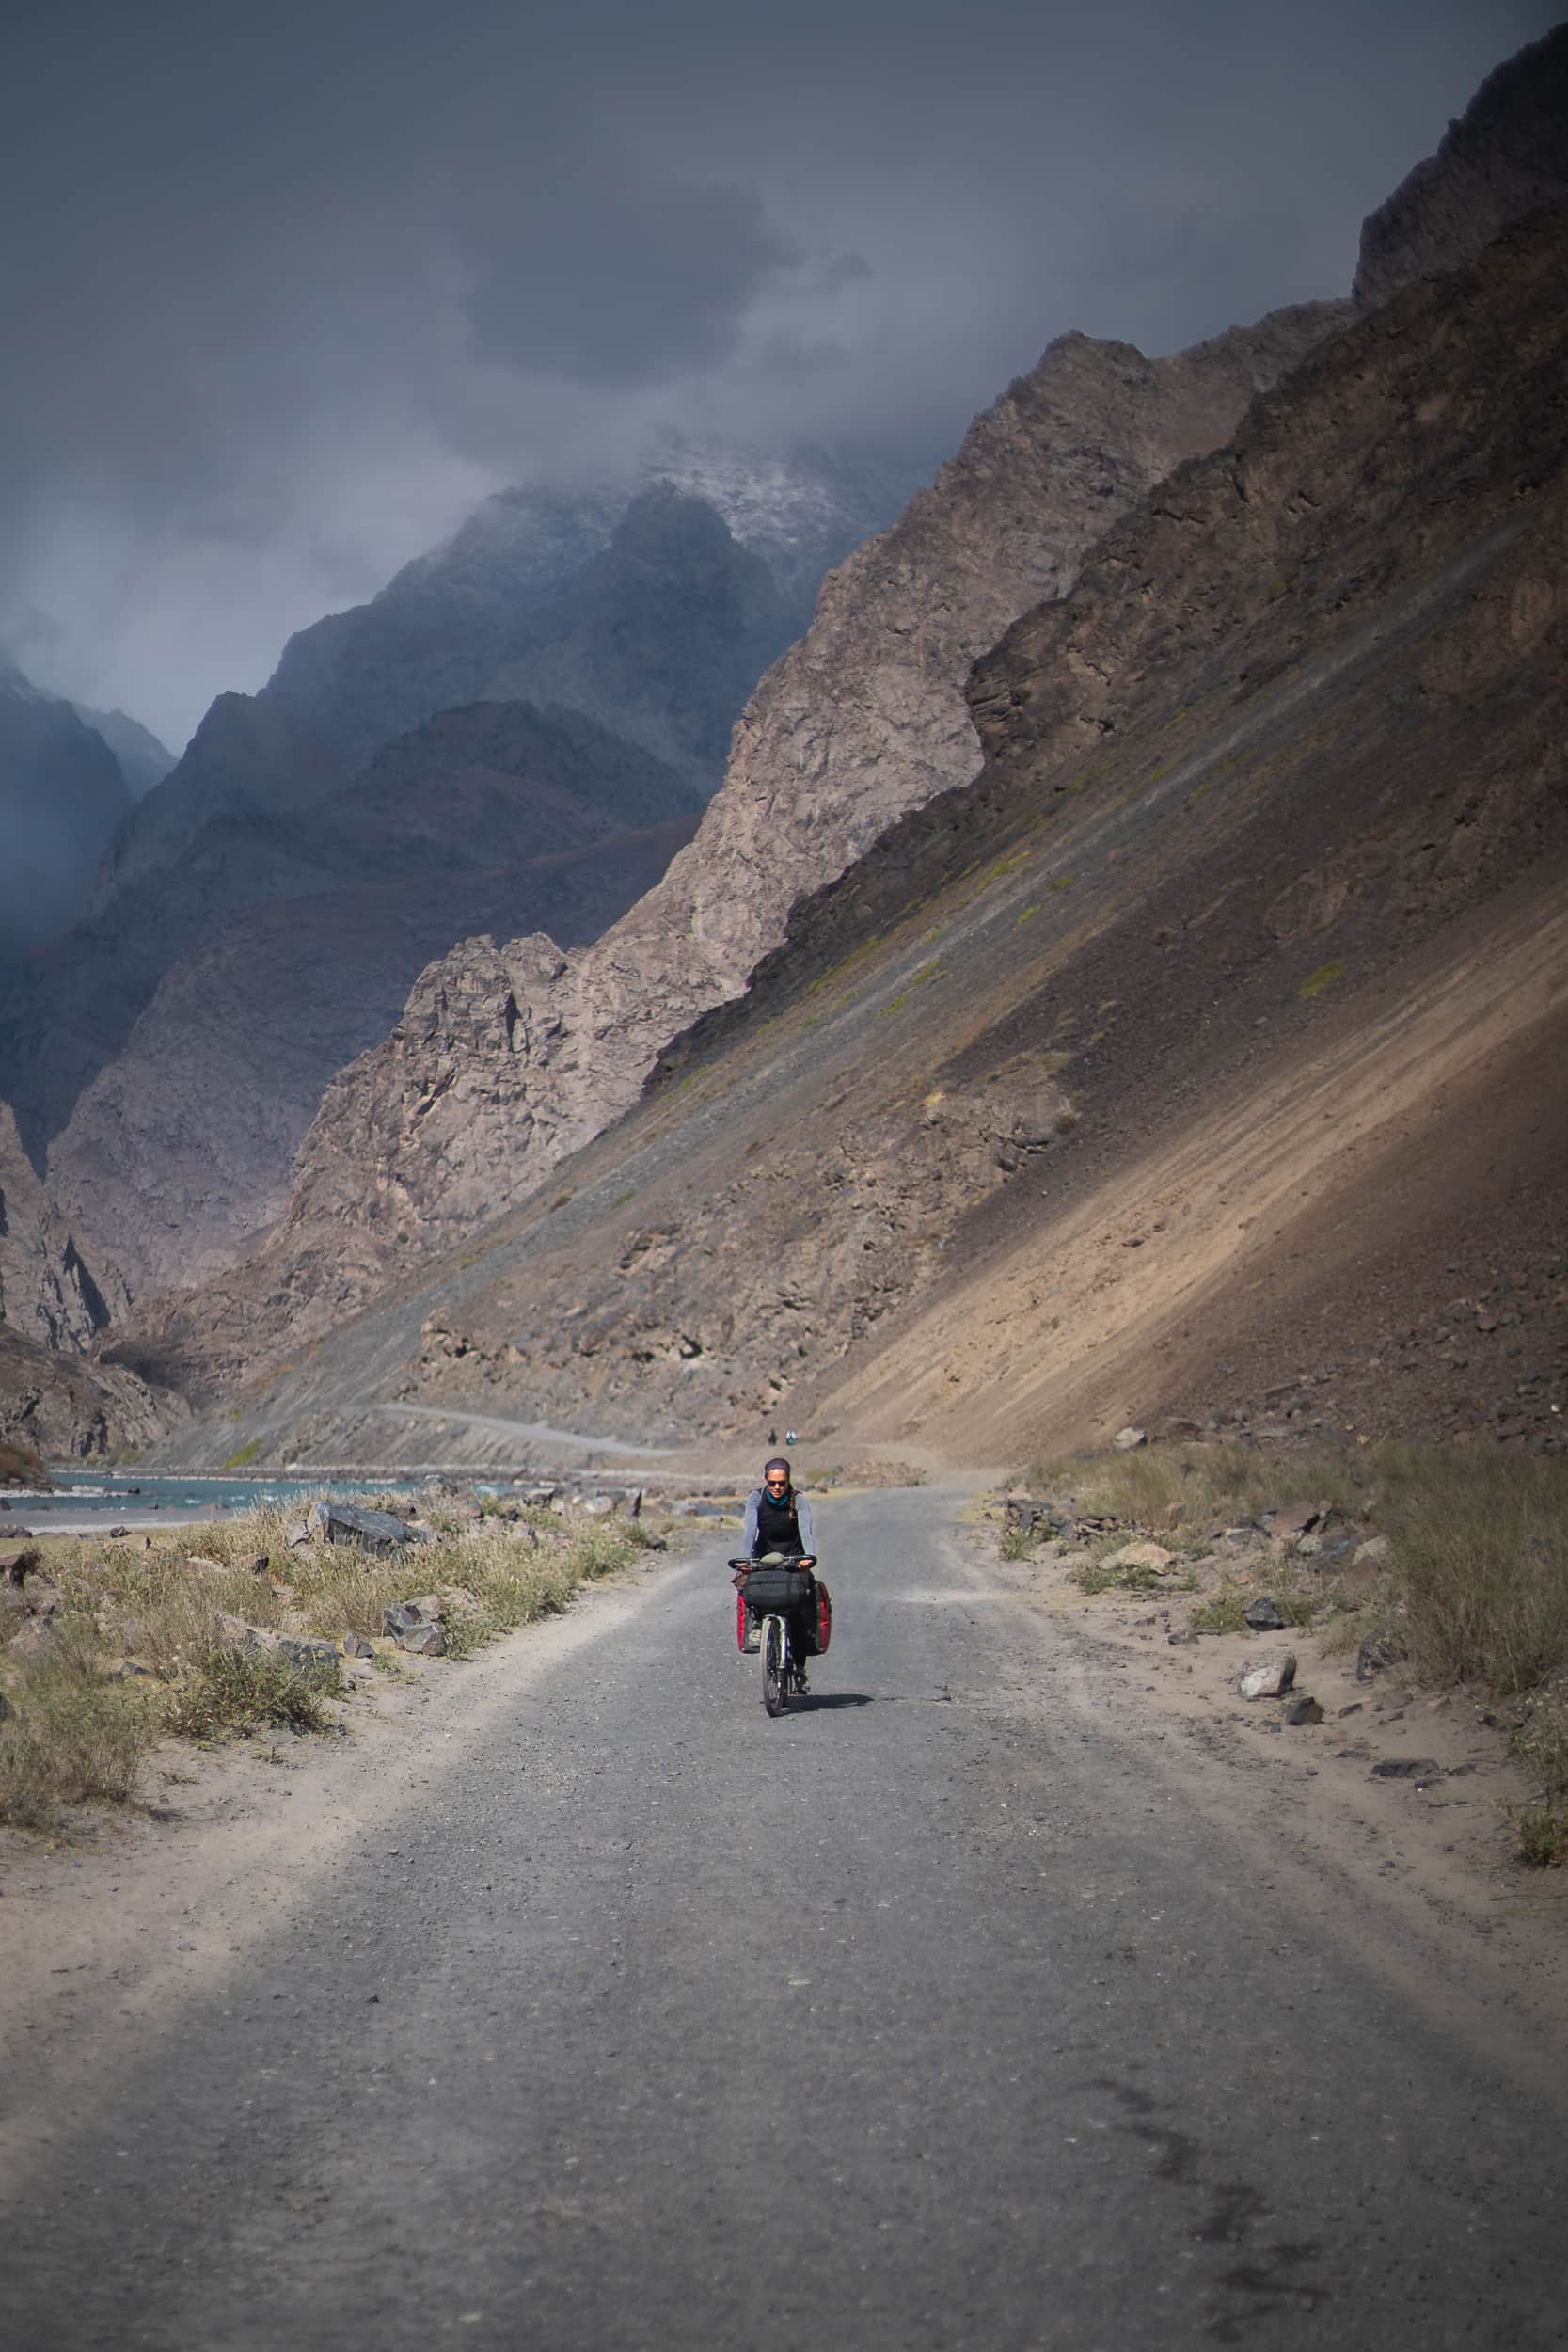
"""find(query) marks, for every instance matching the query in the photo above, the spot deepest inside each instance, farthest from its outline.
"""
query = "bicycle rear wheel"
(775, 1667)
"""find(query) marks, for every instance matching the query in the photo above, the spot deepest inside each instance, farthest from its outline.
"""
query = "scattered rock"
(1304, 1709)
(598, 1506)
(254, 1562)
(355, 1646)
(377, 1532)
(305, 1653)
(1128, 1440)
(1377, 1653)
(295, 1532)
(117, 1532)
(36, 1638)
(1180, 1641)
(1140, 1556)
(203, 1566)
(416, 1625)
(1371, 1553)
(1407, 1768)
(1268, 1678)
(1263, 1615)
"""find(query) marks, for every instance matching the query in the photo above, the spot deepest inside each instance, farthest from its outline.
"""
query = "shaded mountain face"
(61, 797)
(864, 719)
(143, 760)
(182, 1147)
(1506, 154)
(167, 1057)
(662, 635)
(1206, 1035)
(244, 760)
(490, 786)
(443, 630)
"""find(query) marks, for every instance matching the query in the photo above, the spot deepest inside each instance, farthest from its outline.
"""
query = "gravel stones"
(1128, 1440)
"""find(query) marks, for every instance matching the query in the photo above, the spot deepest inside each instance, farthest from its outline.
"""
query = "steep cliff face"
(864, 719)
(1506, 154)
(61, 797)
(49, 1293)
(1209, 1034)
(56, 1299)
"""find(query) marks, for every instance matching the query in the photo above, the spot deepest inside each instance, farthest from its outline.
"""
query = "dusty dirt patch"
(1421, 1869)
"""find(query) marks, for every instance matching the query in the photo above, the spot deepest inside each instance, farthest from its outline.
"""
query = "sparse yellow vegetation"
(1327, 976)
(1474, 1592)
(136, 1654)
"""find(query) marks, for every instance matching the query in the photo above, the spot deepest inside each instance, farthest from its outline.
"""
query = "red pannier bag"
(740, 1621)
(824, 1618)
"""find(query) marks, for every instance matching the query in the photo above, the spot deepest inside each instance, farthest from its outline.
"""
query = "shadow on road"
(813, 1704)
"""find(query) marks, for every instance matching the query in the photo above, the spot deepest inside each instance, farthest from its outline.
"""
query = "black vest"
(778, 1528)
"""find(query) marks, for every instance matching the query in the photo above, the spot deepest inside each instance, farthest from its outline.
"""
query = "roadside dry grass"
(1473, 1592)
(135, 1653)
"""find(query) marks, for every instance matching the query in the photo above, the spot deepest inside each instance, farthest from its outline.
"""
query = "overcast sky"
(287, 289)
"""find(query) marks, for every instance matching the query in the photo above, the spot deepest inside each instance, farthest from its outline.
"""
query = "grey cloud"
(605, 268)
(286, 291)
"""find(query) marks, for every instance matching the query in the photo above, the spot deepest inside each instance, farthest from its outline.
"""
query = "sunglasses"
(778, 1482)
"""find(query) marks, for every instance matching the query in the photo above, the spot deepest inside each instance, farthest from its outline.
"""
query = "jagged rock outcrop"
(61, 797)
(57, 1297)
(442, 1126)
(50, 1292)
(1507, 154)
(79, 1408)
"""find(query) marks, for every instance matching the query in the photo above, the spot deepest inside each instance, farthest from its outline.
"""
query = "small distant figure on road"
(772, 1437)
(789, 1436)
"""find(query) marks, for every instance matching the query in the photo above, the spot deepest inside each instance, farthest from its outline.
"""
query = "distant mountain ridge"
(284, 940)
(456, 624)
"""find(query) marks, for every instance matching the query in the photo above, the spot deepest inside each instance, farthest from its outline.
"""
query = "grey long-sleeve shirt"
(802, 1521)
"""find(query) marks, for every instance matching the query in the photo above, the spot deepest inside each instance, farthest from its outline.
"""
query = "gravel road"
(931, 2016)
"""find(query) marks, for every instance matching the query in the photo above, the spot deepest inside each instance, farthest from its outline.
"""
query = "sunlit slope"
(1265, 858)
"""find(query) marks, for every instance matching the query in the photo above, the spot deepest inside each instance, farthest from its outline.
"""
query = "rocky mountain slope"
(1205, 1038)
(1506, 156)
(864, 719)
(61, 796)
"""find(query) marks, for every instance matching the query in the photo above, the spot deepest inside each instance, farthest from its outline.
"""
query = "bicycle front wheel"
(775, 1667)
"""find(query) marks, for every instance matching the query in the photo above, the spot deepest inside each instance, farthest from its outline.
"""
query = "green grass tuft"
(1327, 976)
